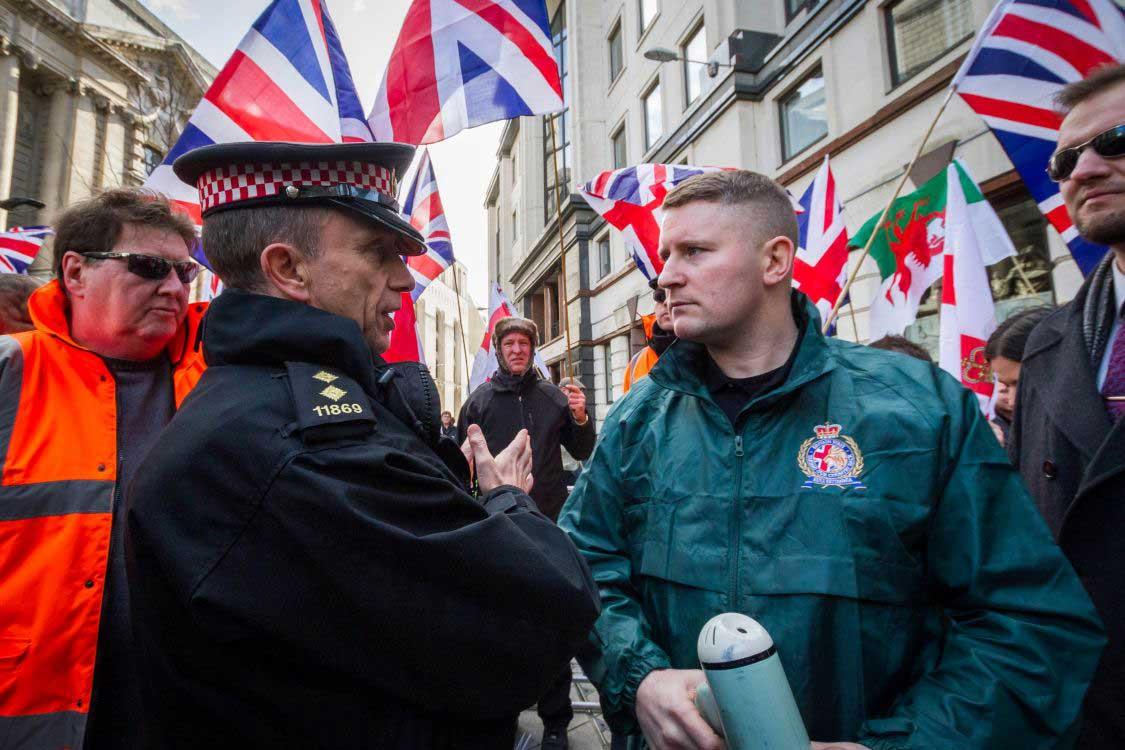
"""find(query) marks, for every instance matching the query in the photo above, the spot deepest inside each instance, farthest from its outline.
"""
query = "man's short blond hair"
(772, 211)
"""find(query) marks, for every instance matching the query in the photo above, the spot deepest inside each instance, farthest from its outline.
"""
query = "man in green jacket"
(851, 500)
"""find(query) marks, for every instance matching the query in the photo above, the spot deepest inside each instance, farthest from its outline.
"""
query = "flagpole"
(461, 322)
(886, 209)
(562, 244)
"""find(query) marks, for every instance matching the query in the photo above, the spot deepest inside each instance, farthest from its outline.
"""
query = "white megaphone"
(746, 697)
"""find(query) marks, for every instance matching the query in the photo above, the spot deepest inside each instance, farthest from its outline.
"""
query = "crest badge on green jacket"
(830, 459)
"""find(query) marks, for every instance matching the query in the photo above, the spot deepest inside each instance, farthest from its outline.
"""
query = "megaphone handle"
(708, 708)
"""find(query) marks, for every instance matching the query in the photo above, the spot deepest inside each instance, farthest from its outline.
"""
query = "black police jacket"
(507, 404)
(306, 572)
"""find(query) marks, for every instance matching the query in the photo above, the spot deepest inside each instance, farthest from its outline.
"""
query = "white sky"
(368, 29)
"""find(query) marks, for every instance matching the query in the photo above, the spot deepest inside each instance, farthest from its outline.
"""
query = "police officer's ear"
(286, 269)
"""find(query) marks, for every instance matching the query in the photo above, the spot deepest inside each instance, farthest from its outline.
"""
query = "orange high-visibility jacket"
(643, 360)
(58, 467)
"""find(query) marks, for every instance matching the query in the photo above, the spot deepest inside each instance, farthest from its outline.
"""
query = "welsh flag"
(911, 241)
(968, 316)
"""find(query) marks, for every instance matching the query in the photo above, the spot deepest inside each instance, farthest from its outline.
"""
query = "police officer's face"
(1095, 191)
(716, 274)
(360, 275)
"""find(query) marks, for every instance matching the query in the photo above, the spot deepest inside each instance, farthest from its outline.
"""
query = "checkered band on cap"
(223, 186)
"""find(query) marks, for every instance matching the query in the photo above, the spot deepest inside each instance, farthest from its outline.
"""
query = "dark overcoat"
(307, 572)
(1072, 458)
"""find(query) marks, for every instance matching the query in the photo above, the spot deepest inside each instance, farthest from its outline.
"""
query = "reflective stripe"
(11, 376)
(54, 499)
(64, 729)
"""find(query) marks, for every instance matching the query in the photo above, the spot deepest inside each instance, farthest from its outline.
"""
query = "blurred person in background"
(658, 337)
(1004, 352)
(902, 345)
(15, 288)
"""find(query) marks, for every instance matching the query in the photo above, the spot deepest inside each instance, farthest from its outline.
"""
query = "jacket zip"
(736, 524)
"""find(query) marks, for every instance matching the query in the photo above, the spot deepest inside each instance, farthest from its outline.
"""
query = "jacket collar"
(506, 381)
(683, 367)
(243, 328)
(49, 308)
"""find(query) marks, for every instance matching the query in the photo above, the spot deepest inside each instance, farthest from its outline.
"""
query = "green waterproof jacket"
(914, 594)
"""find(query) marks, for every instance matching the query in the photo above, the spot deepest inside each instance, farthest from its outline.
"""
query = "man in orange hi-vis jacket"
(83, 395)
(658, 336)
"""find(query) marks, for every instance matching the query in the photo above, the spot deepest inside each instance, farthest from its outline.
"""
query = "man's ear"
(777, 261)
(73, 273)
(286, 270)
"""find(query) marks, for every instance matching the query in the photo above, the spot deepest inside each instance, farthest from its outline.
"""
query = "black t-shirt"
(732, 394)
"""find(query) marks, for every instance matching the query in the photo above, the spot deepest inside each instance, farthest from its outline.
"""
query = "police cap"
(361, 178)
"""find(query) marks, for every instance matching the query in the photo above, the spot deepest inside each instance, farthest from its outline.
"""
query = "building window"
(921, 31)
(648, 10)
(694, 53)
(616, 56)
(605, 259)
(804, 117)
(515, 166)
(654, 115)
(515, 225)
(544, 305)
(556, 190)
(793, 7)
(153, 157)
(620, 153)
(607, 372)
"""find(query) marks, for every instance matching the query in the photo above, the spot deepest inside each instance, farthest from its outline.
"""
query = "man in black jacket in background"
(518, 399)
(306, 567)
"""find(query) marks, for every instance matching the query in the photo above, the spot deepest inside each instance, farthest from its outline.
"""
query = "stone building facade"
(796, 79)
(92, 95)
(449, 348)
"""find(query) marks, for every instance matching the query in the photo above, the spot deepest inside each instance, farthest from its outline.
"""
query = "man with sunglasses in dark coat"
(307, 567)
(1068, 437)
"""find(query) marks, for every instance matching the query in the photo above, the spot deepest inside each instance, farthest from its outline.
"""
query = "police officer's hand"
(512, 465)
(667, 714)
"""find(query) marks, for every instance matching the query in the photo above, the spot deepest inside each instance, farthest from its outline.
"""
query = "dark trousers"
(554, 706)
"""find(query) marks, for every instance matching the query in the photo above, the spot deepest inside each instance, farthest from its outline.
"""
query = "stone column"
(60, 128)
(9, 112)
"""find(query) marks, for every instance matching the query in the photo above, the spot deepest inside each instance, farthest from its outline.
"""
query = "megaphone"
(746, 697)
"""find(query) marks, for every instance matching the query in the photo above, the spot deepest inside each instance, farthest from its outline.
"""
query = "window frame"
(616, 33)
(619, 132)
(897, 78)
(641, 27)
(657, 88)
(605, 261)
(793, 8)
(607, 370)
(783, 99)
(699, 28)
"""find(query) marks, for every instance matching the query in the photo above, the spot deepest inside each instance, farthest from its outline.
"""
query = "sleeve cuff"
(506, 498)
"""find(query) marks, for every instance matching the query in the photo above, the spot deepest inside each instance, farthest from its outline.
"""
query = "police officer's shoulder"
(327, 404)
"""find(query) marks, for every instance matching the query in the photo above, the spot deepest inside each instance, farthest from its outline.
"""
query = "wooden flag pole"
(883, 216)
(562, 245)
(461, 322)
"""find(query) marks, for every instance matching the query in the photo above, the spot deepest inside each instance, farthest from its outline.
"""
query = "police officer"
(307, 570)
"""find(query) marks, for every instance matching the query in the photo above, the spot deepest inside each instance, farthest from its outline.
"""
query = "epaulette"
(329, 406)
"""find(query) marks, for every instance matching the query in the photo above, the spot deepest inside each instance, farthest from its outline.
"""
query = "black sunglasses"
(659, 295)
(152, 267)
(1109, 145)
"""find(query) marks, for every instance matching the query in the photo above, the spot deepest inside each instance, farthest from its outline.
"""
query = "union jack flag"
(288, 80)
(821, 265)
(630, 200)
(19, 246)
(461, 63)
(423, 207)
(1026, 52)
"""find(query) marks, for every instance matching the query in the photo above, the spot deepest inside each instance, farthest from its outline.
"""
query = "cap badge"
(292, 191)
